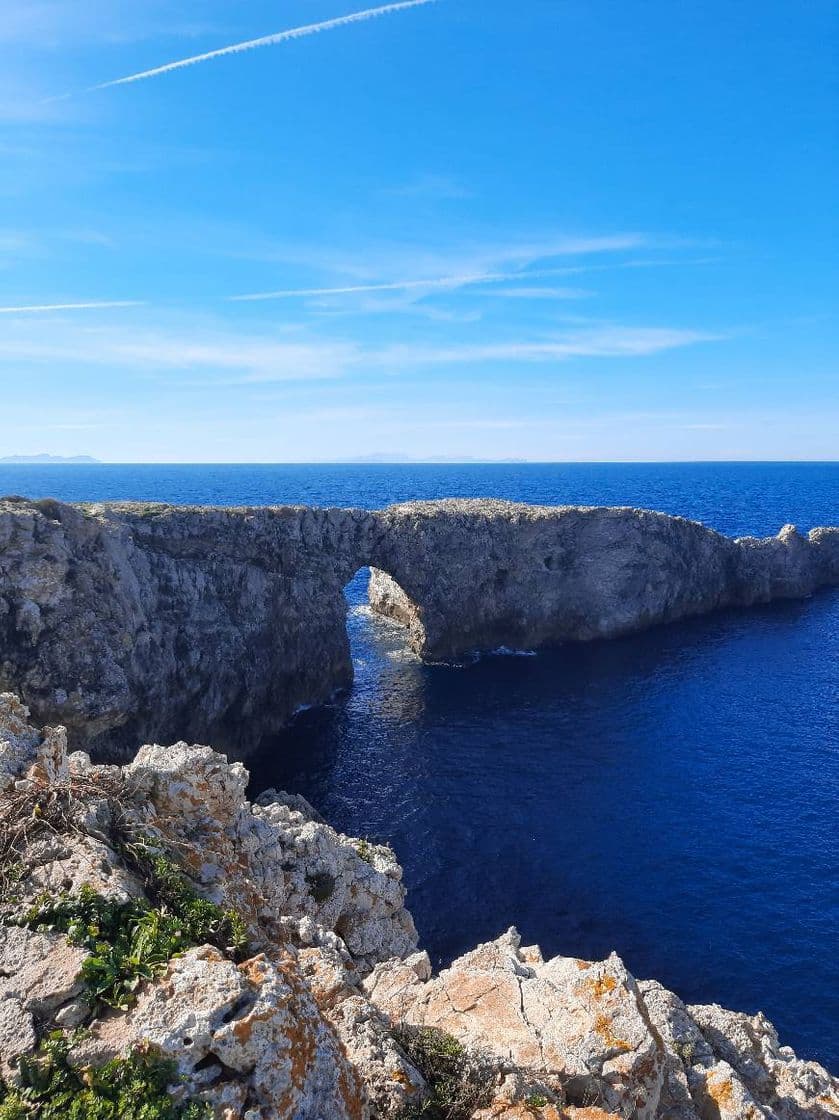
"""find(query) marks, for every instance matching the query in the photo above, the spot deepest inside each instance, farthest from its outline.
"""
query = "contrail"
(41, 307)
(265, 41)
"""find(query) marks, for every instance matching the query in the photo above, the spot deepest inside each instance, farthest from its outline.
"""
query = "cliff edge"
(169, 950)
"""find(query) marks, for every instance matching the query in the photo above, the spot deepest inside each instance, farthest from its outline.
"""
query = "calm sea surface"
(672, 796)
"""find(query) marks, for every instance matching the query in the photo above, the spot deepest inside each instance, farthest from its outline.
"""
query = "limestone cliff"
(320, 1007)
(218, 624)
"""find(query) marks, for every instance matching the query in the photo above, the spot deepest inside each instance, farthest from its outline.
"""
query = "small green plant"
(203, 921)
(365, 851)
(136, 1087)
(459, 1083)
(128, 941)
(536, 1101)
(321, 886)
(685, 1049)
(132, 941)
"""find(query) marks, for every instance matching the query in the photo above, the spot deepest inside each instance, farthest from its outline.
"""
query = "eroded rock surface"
(311, 1024)
(218, 624)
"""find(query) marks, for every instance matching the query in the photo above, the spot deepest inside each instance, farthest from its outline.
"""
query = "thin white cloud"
(448, 283)
(44, 308)
(541, 293)
(596, 342)
(210, 352)
(264, 41)
(202, 353)
(368, 263)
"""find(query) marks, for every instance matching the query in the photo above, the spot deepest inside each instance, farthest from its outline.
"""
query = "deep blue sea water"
(671, 795)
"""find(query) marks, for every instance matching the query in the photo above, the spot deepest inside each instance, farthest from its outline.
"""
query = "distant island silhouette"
(62, 459)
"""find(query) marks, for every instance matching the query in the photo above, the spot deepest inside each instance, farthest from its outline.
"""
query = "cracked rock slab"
(576, 1028)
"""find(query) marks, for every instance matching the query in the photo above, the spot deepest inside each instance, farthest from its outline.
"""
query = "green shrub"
(203, 921)
(131, 1088)
(321, 886)
(133, 941)
(459, 1083)
(128, 941)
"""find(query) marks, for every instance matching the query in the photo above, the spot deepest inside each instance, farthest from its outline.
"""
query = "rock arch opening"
(374, 596)
(388, 599)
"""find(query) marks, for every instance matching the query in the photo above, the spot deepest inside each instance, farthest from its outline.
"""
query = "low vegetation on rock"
(459, 1082)
(133, 941)
(138, 1087)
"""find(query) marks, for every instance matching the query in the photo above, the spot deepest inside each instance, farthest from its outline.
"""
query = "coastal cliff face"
(128, 622)
(291, 986)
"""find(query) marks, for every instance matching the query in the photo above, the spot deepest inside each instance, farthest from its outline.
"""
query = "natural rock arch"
(131, 622)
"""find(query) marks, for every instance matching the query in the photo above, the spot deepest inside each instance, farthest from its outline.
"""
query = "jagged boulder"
(567, 1027)
(276, 860)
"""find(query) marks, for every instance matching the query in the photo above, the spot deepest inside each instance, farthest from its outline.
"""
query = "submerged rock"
(313, 1020)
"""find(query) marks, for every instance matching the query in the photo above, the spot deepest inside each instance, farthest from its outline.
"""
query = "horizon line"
(68, 461)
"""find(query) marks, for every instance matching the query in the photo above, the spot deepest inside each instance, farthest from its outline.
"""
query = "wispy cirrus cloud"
(210, 351)
(605, 341)
(46, 308)
(380, 263)
(417, 278)
(450, 269)
(527, 292)
(608, 341)
(50, 25)
(264, 41)
(185, 348)
(448, 283)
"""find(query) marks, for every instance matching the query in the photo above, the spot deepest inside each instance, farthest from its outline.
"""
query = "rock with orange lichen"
(580, 1032)
(255, 1026)
(785, 1086)
(731, 1065)
(588, 1042)
(276, 861)
(532, 1108)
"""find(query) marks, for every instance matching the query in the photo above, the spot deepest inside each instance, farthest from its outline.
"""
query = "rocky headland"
(134, 622)
(170, 951)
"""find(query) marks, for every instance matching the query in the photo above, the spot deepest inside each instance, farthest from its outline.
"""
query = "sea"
(671, 796)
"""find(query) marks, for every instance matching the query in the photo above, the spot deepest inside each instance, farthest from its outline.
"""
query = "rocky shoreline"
(130, 622)
(292, 987)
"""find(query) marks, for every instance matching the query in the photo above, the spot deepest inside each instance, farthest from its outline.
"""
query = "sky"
(583, 230)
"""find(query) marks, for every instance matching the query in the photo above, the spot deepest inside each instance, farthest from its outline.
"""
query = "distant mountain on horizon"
(44, 458)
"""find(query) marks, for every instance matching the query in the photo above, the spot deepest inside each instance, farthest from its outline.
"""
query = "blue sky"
(550, 230)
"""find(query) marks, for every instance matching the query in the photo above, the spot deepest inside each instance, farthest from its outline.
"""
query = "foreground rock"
(317, 1015)
(217, 624)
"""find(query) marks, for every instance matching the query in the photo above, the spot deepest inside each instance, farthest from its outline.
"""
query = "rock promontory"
(169, 950)
(128, 622)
